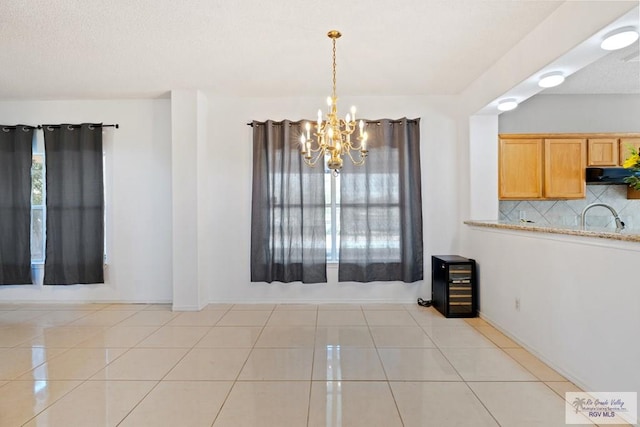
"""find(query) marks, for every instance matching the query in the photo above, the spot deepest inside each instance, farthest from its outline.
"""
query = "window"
(383, 240)
(332, 214)
(38, 200)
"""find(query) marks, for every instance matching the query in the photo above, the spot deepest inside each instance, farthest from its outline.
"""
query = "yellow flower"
(632, 162)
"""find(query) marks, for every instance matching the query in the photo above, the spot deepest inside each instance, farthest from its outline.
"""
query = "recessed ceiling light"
(552, 79)
(507, 104)
(617, 39)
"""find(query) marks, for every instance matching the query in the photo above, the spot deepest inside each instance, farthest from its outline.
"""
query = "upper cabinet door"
(603, 152)
(520, 169)
(626, 144)
(565, 163)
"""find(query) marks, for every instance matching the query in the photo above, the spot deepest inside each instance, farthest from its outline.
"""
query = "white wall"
(138, 196)
(578, 301)
(483, 167)
(228, 207)
(189, 169)
(574, 113)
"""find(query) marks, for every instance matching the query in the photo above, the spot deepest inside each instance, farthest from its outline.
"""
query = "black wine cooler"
(454, 286)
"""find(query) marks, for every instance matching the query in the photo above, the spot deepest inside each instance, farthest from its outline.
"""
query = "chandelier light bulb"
(552, 79)
(620, 38)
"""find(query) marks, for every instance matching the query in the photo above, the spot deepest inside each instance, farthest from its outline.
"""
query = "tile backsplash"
(566, 213)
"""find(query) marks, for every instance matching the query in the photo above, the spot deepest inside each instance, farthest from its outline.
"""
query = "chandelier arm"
(357, 147)
(313, 162)
(357, 162)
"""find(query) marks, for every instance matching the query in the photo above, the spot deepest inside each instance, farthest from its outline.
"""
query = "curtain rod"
(117, 126)
(369, 122)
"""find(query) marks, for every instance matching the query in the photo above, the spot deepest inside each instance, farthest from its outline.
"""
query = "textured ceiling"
(616, 73)
(67, 49)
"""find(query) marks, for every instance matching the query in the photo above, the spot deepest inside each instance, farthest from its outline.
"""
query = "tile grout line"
(464, 381)
(235, 381)
(80, 382)
(172, 368)
(482, 403)
(139, 402)
(538, 379)
(386, 376)
(313, 360)
(55, 401)
(157, 381)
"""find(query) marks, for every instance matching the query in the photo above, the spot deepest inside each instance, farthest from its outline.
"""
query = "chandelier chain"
(334, 68)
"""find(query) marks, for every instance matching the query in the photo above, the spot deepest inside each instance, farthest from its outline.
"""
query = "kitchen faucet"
(619, 223)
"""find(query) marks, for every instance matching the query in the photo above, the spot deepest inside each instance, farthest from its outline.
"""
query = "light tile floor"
(266, 365)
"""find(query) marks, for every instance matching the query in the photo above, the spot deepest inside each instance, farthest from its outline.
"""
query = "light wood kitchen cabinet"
(541, 168)
(625, 144)
(520, 168)
(565, 161)
(603, 152)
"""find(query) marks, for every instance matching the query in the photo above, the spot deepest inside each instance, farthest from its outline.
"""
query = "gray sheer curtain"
(288, 235)
(381, 208)
(15, 204)
(75, 205)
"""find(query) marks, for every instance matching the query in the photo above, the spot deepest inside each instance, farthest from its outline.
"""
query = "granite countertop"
(625, 235)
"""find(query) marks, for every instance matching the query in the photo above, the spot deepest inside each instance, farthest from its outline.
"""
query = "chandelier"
(332, 137)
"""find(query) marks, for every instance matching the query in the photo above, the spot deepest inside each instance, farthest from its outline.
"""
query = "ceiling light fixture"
(552, 79)
(333, 135)
(620, 38)
(507, 104)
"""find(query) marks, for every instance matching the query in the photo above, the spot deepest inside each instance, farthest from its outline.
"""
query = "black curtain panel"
(75, 205)
(381, 208)
(288, 235)
(15, 204)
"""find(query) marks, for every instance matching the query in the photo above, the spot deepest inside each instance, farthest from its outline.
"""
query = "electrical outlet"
(517, 304)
